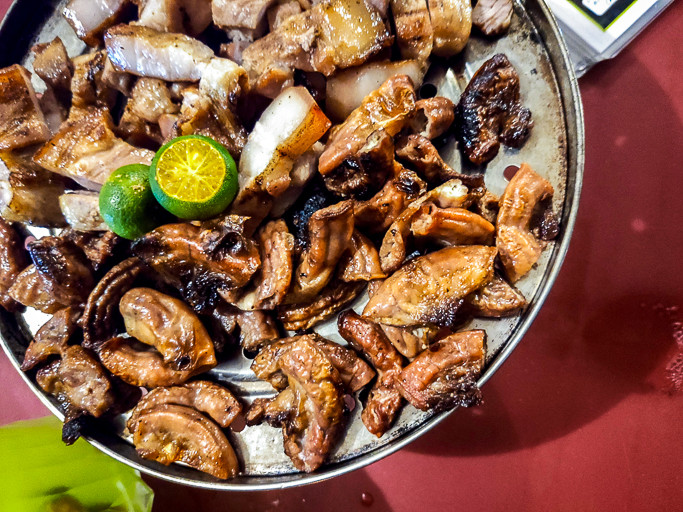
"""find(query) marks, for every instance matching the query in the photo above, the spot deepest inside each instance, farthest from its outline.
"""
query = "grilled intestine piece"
(445, 375)
(495, 300)
(362, 261)
(492, 17)
(518, 245)
(251, 329)
(384, 401)
(13, 260)
(22, 122)
(87, 150)
(433, 117)
(451, 226)
(429, 290)
(490, 112)
(81, 210)
(414, 31)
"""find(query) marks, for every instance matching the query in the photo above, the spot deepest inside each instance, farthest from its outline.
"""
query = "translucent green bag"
(39, 473)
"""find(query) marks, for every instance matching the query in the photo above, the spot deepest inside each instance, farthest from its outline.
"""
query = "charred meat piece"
(186, 16)
(87, 150)
(64, 268)
(384, 402)
(332, 299)
(90, 19)
(81, 210)
(414, 31)
(204, 396)
(389, 108)
(170, 326)
(410, 340)
(30, 289)
(22, 122)
(28, 193)
(429, 289)
(452, 24)
(201, 260)
(329, 237)
(311, 416)
(223, 82)
(451, 226)
(51, 339)
(492, 17)
(495, 300)
(519, 248)
(490, 112)
(13, 260)
(98, 246)
(87, 86)
(247, 16)
(362, 262)
(53, 65)
(304, 170)
(174, 433)
(445, 375)
(367, 171)
(333, 34)
(100, 316)
(376, 214)
(252, 329)
(433, 117)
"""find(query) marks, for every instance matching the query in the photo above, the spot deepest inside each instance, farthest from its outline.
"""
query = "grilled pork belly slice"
(248, 16)
(52, 64)
(452, 24)
(86, 149)
(492, 17)
(90, 18)
(184, 16)
(22, 123)
(82, 211)
(87, 86)
(414, 31)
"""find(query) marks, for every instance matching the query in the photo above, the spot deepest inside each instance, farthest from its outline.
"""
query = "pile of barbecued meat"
(342, 192)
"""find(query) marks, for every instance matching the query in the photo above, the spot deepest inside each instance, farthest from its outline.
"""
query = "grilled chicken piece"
(252, 329)
(392, 253)
(215, 401)
(411, 340)
(329, 237)
(414, 31)
(22, 123)
(354, 372)
(362, 262)
(29, 193)
(384, 402)
(518, 246)
(332, 35)
(452, 24)
(332, 299)
(248, 16)
(445, 375)
(185, 16)
(433, 117)
(86, 150)
(174, 433)
(201, 260)
(90, 19)
(389, 108)
(451, 226)
(82, 211)
(13, 260)
(52, 64)
(150, 53)
(495, 300)
(281, 12)
(490, 112)
(87, 86)
(346, 90)
(310, 410)
(376, 214)
(430, 289)
(52, 338)
(492, 17)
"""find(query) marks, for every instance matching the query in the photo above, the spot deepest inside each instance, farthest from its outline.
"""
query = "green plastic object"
(39, 473)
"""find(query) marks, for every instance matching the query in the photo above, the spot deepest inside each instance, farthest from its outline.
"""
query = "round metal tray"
(555, 150)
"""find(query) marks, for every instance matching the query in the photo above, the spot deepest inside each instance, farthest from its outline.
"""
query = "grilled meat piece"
(22, 122)
(87, 86)
(518, 246)
(90, 19)
(52, 338)
(492, 17)
(490, 112)
(410, 340)
(30, 289)
(186, 16)
(495, 300)
(52, 64)
(384, 402)
(362, 262)
(433, 117)
(429, 289)
(150, 99)
(98, 246)
(87, 150)
(81, 210)
(13, 260)
(414, 32)
(248, 16)
(281, 12)
(451, 226)
(445, 375)
(252, 329)
(452, 24)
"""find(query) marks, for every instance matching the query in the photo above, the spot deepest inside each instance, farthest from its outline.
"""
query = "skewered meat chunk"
(433, 117)
(87, 150)
(13, 260)
(519, 248)
(81, 210)
(490, 112)
(51, 339)
(429, 289)
(384, 402)
(414, 31)
(22, 123)
(495, 300)
(29, 193)
(492, 17)
(53, 65)
(451, 226)
(90, 19)
(185, 16)
(445, 375)
(452, 24)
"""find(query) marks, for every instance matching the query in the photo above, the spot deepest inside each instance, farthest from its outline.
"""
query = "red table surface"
(581, 417)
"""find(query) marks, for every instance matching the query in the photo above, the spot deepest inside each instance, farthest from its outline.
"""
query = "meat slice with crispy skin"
(185, 16)
(90, 19)
(22, 122)
(492, 17)
(52, 64)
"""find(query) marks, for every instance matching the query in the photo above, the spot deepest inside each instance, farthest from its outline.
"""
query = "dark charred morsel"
(13, 259)
(314, 197)
(98, 246)
(52, 338)
(251, 329)
(445, 375)
(490, 112)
